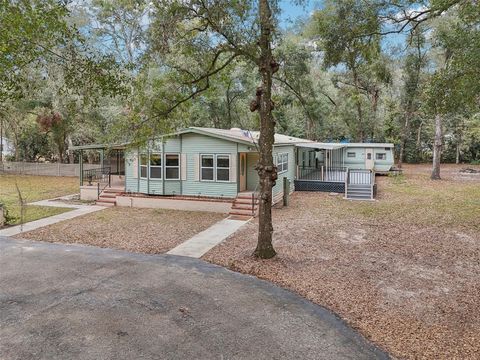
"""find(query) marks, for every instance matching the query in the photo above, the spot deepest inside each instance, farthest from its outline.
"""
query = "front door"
(369, 162)
(243, 171)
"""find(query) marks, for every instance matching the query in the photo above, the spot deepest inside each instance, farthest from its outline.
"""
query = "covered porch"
(321, 167)
(104, 169)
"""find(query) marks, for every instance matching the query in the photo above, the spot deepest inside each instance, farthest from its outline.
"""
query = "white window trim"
(280, 156)
(155, 166)
(164, 172)
(223, 168)
(215, 167)
(140, 166)
(201, 167)
(376, 156)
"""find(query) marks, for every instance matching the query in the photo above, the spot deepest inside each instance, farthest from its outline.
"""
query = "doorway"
(243, 171)
(369, 161)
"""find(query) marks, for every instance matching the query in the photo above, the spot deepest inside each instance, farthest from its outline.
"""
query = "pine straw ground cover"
(404, 270)
(150, 231)
(34, 188)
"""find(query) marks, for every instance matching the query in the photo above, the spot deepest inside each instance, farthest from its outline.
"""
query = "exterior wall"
(252, 175)
(88, 193)
(290, 173)
(359, 161)
(194, 145)
(190, 147)
(174, 204)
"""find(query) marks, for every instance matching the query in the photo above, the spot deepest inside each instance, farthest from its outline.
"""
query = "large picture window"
(172, 167)
(215, 167)
(155, 166)
(282, 163)
(143, 165)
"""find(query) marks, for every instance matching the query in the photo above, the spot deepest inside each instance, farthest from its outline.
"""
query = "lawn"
(150, 231)
(34, 188)
(403, 270)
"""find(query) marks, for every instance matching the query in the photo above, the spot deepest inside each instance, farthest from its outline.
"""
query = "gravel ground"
(150, 231)
(404, 270)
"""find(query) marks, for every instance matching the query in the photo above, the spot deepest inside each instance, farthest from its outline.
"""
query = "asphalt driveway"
(77, 302)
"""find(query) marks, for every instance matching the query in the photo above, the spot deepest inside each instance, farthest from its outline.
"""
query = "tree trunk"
(403, 140)
(437, 148)
(267, 172)
(71, 157)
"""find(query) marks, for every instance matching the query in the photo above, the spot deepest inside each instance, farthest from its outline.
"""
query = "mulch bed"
(150, 231)
(404, 271)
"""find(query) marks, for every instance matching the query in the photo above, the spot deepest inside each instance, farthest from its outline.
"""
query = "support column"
(102, 155)
(81, 167)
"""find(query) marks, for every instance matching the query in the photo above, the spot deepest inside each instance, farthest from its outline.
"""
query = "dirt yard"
(150, 231)
(404, 270)
(34, 188)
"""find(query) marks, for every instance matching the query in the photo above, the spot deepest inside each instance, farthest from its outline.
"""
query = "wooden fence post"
(286, 191)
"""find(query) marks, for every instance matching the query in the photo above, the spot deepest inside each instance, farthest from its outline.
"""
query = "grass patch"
(34, 188)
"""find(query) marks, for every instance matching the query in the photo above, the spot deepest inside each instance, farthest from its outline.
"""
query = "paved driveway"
(76, 302)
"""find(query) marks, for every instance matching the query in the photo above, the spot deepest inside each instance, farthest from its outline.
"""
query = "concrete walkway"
(199, 244)
(79, 210)
(78, 302)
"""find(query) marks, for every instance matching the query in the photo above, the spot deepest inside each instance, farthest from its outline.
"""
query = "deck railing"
(330, 174)
(360, 177)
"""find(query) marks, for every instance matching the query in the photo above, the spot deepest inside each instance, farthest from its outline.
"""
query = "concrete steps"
(245, 205)
(108, 197)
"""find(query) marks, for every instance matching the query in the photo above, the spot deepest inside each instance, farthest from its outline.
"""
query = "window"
(156, 166)
(172, 167)
(143, 165)
(223, 168)
(369, 156)
(351, 154)
(282, 162)
(206, 168)
(381, 156)
(215, 168)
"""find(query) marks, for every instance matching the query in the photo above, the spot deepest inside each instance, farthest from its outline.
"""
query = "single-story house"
(218, 166)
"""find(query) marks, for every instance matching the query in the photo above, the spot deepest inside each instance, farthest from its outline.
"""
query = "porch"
(108, 178)
(321, 167)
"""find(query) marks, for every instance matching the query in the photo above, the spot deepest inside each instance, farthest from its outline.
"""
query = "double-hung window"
(215, 167)
(172, 166)
(223, 168)
(207, 168)
(282, 163)
(143, 165)
(155, 166)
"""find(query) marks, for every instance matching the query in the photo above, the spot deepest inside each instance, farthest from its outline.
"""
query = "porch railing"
(360, 177)
(322, 173)
(97, 175)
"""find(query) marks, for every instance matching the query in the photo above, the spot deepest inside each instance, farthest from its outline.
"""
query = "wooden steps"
(245, 205)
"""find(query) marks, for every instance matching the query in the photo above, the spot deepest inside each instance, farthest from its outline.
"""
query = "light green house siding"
(195, 145)
(252, 175)
(189, 147)
(356, 162)
(290, 173)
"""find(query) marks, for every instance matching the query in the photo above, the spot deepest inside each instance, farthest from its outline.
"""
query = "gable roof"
(241, 136)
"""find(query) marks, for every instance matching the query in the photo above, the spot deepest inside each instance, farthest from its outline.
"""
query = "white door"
(369, 161)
